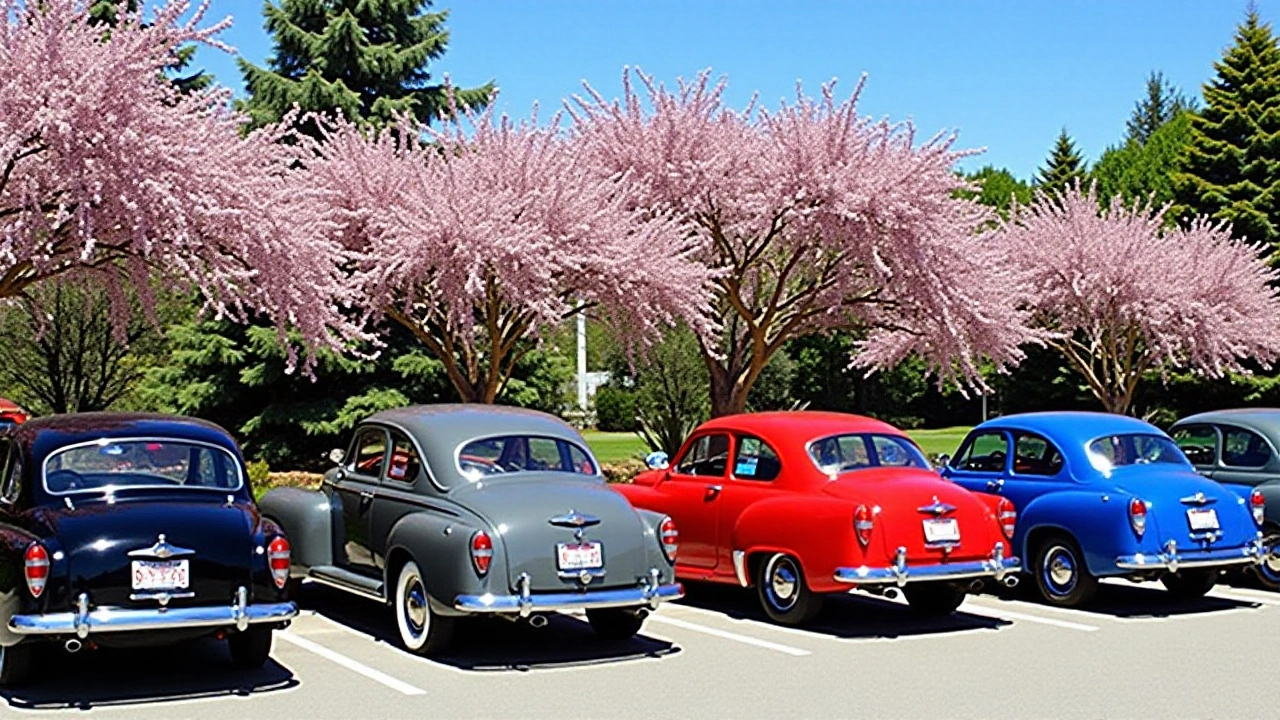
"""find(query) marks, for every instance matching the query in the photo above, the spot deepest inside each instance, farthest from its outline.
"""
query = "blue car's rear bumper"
(1172, 560)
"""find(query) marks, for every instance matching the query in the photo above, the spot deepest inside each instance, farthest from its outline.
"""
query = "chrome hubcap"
(1271, 560)
(415, 606)
(1060, 570)
(783, 583)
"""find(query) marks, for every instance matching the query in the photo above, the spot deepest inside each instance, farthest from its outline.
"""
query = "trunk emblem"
(937, 507)
(574, 519)
(161, 550)
(1198, 499)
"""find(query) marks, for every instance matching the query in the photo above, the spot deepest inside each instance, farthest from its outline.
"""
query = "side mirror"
(657, 461)
(337, 455)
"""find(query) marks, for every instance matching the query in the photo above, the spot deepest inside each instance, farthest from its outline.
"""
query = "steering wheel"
(61, 480)
(482, 464)
(996, 460)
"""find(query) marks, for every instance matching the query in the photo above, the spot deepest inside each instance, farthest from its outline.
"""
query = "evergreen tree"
(998, 188)
(1163, 103)
(1143, 172)
(1231, 170)
(366, 59)
(1064, 167)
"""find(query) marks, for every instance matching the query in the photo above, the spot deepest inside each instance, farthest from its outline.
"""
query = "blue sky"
(1007, 75)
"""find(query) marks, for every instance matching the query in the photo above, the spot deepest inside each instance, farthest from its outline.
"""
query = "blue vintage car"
(1107, 495)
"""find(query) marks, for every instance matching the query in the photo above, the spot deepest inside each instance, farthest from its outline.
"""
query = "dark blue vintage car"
(132, 530)
(1106, 495)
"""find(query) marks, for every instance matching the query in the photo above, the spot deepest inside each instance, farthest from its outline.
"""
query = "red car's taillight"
(863, 523)
(278, 560)
(1008, 517)
(481, 552)
(35, 566)
(1258, 506)
(1138, 516)
(670, 538)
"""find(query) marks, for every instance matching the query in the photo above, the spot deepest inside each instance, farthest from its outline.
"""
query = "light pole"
(582, 358)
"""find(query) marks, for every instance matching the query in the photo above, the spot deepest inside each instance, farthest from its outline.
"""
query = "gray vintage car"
(1238, 448)
(449, 510)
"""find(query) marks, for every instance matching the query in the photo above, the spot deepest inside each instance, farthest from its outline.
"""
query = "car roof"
(1071, 427)
(800, 425)
(1264, 420)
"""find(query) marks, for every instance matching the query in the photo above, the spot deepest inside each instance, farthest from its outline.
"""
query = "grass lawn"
(611, 447)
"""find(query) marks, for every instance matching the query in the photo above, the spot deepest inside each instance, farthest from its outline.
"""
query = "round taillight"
(35, 566)
(278, 560)
(1008, 516)
(1258, 506)
(670, 538)
(863, 522)
(481, 552)
(1138, 516)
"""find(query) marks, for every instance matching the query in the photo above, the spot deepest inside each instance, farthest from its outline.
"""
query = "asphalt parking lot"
(1135, 653)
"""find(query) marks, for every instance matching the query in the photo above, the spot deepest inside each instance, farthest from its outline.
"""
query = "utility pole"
(582, 358)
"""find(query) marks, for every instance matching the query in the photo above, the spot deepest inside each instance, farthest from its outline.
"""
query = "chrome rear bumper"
(83, 621)
(1172, 560)
(899, 573)
(648, 592)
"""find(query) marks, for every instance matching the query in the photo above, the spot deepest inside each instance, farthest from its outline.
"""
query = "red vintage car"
(799, 504)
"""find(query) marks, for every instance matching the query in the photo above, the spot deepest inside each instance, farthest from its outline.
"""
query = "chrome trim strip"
(740, 567)
(1172, 560)
(162, 550)
(900, 573)
(574, 519)
(937, 507)
(1198, 499)
(646, 594)
(339, 585)
(114, 619)
(162, 596)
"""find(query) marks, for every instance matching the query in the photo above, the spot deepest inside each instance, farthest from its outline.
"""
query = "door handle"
(366, 498)
(995, 485)
(713, 491)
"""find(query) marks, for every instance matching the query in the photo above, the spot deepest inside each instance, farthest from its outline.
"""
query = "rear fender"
(307, 518)
(1099, 526)
(817, 531)
(657, 558)
(441, 547)
(14, 597)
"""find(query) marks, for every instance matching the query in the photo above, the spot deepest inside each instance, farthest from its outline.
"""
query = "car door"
(1200, 444)
(1035, 468)
(982, 464)
(356, 487)
(752, 473)
(399, 493)
(693, 490)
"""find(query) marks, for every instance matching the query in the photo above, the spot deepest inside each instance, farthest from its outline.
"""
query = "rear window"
(1114, 451)
(144, 463)
(523, 453)
(839, 454)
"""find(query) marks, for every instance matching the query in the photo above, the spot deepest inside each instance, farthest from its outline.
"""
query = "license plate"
(943, 530)
(579, 556)
(1203, 519)
(161, 574)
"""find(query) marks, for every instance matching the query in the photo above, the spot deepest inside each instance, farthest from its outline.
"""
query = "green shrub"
(259, 471)
(616, 409)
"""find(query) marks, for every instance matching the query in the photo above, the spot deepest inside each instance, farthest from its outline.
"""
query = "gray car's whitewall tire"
(422, 631)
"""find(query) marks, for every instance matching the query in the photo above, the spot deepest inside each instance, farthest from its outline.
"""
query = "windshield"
(151, 463)
(1115, 451)
(523, 453)
(845, 453)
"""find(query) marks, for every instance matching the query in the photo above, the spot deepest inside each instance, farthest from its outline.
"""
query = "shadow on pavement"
(141, 676)
(850, 616)
(1134, 601)
(490, 643)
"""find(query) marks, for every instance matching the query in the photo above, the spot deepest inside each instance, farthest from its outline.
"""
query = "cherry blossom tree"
(811, 218)
(108, 174)
(480, 236)
(1123, 294)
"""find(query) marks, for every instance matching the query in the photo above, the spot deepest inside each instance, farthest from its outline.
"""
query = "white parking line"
(1235, 595)
(725, 634)
(1002, 614)
(352, 665)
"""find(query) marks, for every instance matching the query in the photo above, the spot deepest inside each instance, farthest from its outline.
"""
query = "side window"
(10, 472)
(755, 460)
(707, 456)
(581, 463)
(1034, 455)
(368, 453)
(1243, 448)
(1198, 443)
(405, 464)
(891, 452)
(544, 454)
(985, 453)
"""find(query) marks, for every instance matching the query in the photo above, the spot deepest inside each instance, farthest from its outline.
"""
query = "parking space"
(713, 655)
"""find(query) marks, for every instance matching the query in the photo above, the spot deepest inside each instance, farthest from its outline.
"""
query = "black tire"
(422, 630)
(784, 594)
(1190, 584)
(615, 623)
(1061, 576)
(936, 599)
(1268, 571)
(250, 649)
(16, 664)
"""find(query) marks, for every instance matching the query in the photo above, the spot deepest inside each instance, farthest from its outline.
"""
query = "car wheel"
(615, 623)
(421, 630)
(785, 595)
(1268, 571)
(15, 664)
(1190, 584)
(250, 648)
(1061, 575)
(934, 599)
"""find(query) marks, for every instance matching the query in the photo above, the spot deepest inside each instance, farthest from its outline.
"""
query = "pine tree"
(1064, 167)
(365, 59)
(1231, 170)
(1163, 103)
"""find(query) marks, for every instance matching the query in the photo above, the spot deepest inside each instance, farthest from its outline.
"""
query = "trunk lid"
(536, 512)
(1170, 493)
